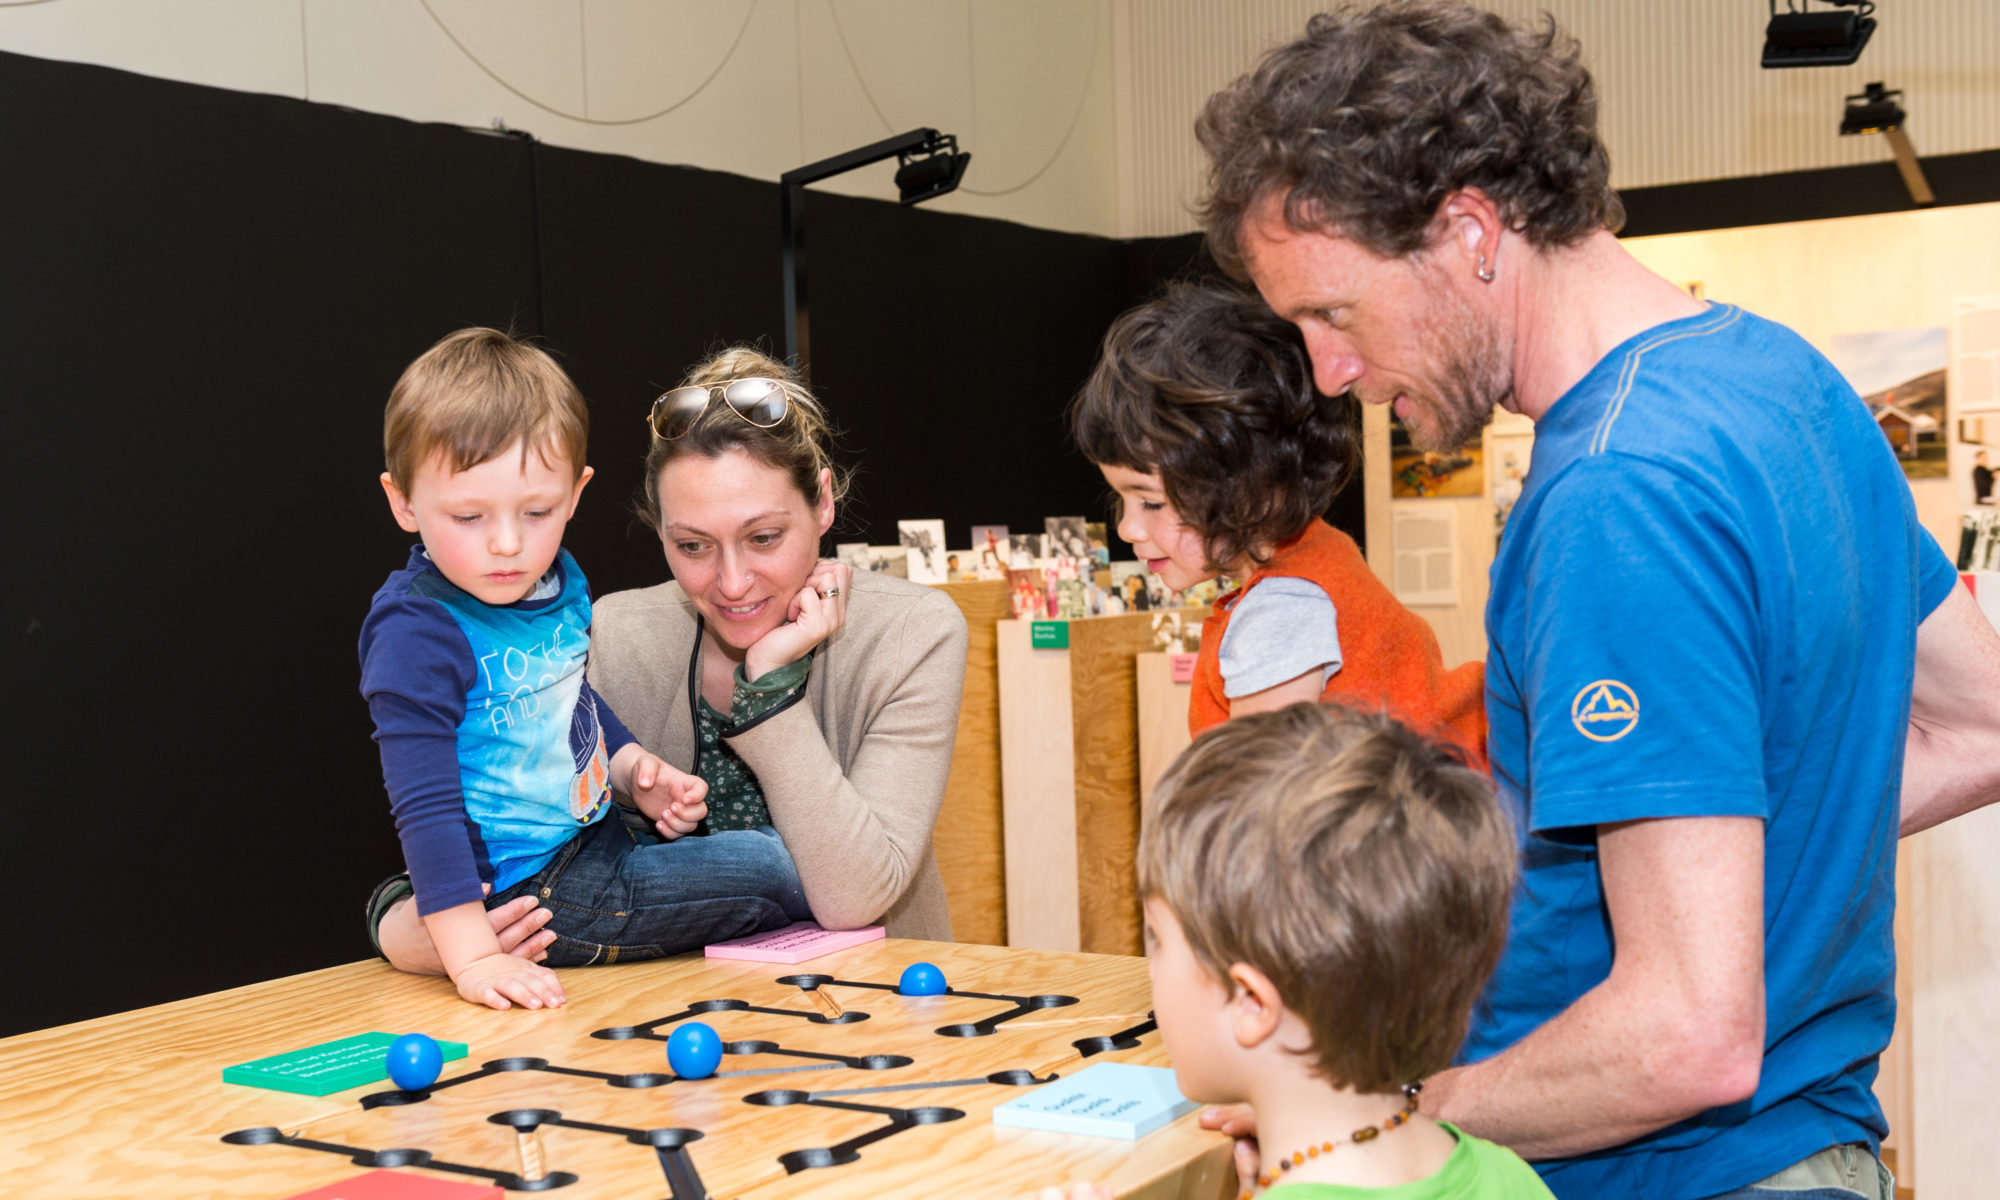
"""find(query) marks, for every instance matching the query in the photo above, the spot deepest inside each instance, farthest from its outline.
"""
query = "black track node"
(1124, 1039)
(400, 1157)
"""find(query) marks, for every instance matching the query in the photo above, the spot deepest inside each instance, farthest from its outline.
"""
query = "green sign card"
(328, 1067)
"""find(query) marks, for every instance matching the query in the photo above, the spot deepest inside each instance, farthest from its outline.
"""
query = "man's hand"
(517, 926)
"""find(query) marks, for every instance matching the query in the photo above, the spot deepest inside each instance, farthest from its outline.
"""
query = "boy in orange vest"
(1203, 417)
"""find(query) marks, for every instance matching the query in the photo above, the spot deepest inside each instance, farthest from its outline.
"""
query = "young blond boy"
(498, 757)
(1325, 894)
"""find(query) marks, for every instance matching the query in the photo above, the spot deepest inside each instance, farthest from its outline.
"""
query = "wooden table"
(134, 1104)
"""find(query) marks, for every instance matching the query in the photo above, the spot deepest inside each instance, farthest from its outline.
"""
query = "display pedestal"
(1163, 713)
(1069, 776)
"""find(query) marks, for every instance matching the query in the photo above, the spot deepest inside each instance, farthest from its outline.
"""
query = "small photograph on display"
(1134, 585)
(1072, 599)
(1427, 474)
(1507, 456)
(1068, 537)
(1174, 634)
(1025, 591)
(1143, 591)
(1900, 374)
(923, 543)
(854, 554)
(1100, 545)
(1024, 550)
(990, 539)
(889, 560)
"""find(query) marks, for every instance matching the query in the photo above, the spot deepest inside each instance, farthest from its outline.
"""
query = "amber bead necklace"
(1367, 1133)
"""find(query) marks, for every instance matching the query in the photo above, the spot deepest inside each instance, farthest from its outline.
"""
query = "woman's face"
(741, 539)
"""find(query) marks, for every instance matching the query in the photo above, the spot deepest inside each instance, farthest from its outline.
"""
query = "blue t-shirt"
(1705, 603)
(495, 751)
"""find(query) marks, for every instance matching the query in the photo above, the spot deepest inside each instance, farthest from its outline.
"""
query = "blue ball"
(414, 1062)
(694, 1051)
(921, 979)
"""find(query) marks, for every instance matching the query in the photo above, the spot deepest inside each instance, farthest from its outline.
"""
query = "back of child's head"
(1208, 388)
(1361, 867)
(475, 395)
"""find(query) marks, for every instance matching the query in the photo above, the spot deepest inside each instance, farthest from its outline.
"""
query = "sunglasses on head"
(760, 401)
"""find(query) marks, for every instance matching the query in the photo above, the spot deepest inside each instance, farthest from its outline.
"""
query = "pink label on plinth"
(1183, 667)
(793, 943)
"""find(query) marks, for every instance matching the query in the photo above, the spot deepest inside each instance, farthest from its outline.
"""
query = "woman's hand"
(814, 614)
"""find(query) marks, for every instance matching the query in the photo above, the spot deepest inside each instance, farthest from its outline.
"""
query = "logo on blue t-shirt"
(1604, 711)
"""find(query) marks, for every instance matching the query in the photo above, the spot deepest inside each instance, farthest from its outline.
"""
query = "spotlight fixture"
(931, 169)
(1876, 110)
(929, 165)
(1800, 38)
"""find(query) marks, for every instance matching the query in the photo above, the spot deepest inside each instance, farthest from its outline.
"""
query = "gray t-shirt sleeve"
(1282, 629)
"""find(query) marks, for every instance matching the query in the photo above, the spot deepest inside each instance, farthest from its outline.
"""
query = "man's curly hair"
(1368, 122)
(1208, 388)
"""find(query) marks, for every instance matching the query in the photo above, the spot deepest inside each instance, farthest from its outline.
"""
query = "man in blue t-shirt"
(1727, 664)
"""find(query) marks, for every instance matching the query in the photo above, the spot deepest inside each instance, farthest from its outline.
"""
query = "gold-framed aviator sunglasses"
(760, 401)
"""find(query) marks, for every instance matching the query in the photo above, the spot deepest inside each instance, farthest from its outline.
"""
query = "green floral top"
(735, 800)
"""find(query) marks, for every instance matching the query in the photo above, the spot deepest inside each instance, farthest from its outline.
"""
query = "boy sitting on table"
(1203, 416)
(1325, 894)
(498, 757)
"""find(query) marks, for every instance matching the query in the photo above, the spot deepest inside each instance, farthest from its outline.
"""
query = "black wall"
(204, 298)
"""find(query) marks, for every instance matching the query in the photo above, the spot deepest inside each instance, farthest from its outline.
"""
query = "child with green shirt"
(1325, 894)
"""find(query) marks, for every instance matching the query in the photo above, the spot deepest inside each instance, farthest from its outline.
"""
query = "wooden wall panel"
(969, 845)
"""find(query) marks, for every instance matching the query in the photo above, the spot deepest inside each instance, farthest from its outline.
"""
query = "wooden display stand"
(1070, 782)
(967, 838)
(1163, 713)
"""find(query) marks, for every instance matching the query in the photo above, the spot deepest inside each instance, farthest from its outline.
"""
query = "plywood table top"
(134, 1104)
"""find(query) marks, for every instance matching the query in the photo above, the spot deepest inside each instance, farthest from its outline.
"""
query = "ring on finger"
(830, 593)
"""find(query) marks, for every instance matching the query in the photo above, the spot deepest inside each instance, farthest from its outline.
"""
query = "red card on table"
(397, 1185)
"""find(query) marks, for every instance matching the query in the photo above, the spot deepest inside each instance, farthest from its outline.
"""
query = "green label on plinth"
(328, 1067)
(1049, 635)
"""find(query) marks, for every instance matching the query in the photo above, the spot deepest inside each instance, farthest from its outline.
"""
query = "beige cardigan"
(854, 773)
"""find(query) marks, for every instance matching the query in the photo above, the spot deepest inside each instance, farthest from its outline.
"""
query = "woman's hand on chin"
(813, 615)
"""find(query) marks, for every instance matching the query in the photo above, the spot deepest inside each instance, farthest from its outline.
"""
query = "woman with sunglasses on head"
(811, 700)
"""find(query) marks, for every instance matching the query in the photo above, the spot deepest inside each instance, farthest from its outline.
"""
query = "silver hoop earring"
(1484, 272)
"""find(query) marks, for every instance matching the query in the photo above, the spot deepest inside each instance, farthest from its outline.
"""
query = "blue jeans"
(617, 893)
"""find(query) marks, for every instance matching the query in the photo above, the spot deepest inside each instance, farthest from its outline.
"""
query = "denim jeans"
(617, 893)
(1849, 1172)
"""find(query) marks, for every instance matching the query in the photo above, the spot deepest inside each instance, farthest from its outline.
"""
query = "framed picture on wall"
(1900, 374)
(1417, 474)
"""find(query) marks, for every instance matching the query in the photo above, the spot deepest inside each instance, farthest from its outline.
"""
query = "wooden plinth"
(967, 839)
(134, 1104)
(1069, 739)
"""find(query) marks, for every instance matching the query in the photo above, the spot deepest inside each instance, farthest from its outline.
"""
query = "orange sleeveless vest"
(1390, 657)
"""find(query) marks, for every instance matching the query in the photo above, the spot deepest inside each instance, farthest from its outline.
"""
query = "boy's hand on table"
(501, 981)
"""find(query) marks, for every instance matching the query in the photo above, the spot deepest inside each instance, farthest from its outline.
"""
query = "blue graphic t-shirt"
(495, 751)
(1705, 603)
